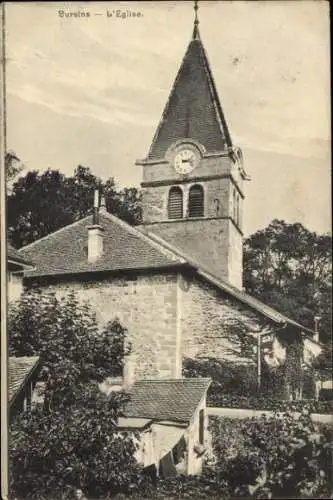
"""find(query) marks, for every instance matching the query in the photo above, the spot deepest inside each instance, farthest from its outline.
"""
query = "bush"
(77, 447)
(227, 377)
(72, 441)
(218, 399)
(66, 336)
(277, 457)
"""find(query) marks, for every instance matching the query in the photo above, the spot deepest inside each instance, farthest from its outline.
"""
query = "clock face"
(185, 161)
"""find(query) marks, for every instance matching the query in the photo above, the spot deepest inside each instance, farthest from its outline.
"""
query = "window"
(175, 203)
(196, 201)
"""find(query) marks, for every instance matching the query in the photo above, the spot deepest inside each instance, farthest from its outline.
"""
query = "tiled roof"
(13, 255)
(231, 290)
(127, 248)
(252, 302)
(124, 248)
(193, 108)
(19, 371)
(175, 400)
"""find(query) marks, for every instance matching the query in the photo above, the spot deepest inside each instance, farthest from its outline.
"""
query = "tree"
(71, 442)
(42, 203)
(289, 268)
(13, 165)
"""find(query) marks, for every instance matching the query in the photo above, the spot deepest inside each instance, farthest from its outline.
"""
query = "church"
(175, 282)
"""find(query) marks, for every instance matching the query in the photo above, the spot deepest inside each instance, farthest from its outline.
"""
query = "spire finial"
(196, 21)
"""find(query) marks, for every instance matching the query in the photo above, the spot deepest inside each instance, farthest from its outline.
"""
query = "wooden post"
(96, 206)
(259, 362)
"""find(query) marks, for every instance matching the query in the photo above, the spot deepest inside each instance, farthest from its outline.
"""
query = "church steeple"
(193, 175)
(193, 109)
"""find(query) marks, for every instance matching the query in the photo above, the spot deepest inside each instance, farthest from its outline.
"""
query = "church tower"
(193, 175)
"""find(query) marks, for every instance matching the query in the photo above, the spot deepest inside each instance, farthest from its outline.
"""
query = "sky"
(91, 91)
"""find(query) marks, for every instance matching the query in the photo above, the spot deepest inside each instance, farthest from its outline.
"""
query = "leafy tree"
(74, 447)
(281, 456)
(13, 165)
(71, 442)
(42, 203)
(289, 268)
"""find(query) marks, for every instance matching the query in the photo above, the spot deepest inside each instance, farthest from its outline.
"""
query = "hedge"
(220, 400)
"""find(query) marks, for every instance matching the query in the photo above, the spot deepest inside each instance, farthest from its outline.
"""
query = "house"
(22, 377)
(16, 265)
(175, 281)
(171, 418)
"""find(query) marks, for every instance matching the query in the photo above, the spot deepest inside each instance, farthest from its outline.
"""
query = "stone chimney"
(129, 372)
(95, 233)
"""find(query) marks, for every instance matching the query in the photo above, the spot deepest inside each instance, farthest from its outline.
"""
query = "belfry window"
(196, 201)
(175, 203)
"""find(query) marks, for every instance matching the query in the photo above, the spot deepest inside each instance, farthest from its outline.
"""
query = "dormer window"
(196, 201)
(175, 203)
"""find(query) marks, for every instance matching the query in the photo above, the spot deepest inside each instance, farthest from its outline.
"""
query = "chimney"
(129, 372)
(95, 233)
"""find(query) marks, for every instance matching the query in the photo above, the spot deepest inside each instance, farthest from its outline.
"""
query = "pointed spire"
(196, 34)
(193, 109)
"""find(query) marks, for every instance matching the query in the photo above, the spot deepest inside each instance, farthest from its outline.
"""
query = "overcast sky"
(91, 91)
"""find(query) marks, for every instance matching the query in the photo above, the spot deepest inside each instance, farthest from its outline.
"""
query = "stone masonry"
(147, 307)
(169, 317)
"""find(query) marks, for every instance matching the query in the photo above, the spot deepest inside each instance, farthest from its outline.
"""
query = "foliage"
(227, 377)
(207, 485)
(64, 333)
(289, 268)
(42, 203)
(71, 440)
(323, 364)
(75, 447)
(267, 404)
(13, 165)
(277, 457)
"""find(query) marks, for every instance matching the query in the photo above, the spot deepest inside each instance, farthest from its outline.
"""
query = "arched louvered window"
(175, 203)
(196, 201)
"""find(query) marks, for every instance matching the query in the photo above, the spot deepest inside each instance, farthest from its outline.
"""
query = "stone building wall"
(147, 307)
(215, 243)
(208, 319)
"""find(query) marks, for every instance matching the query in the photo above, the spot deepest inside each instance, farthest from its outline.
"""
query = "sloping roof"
(193, 108)
(127, 248)
(175, 400)
(19, 371)
(14, 256)
(124, 248)
(231, 290)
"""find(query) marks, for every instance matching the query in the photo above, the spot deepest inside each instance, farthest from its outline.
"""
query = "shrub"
(277, 457)
(65, 334)
(75, 447)
(219, 399)
(72, 441)
(227, 377)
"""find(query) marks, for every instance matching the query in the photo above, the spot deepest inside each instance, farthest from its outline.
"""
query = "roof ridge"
(24, 357)
(215, 97)
(173, 380)
(29, 245)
